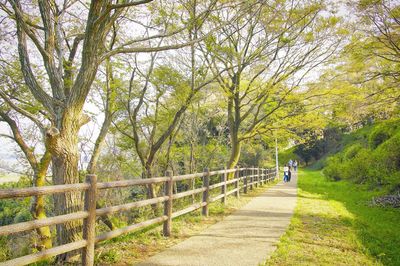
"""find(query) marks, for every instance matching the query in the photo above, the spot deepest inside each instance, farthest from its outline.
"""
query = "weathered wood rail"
(244, 179)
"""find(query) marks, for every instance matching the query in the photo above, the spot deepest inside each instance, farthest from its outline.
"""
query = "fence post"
(206, 185)
(265, 176)
(262, 176)
(89, 224)
(256, 177)
(246, 172)
(237, 176)
(223, 187)
(270, 177)
(168, 204)
(251, 178)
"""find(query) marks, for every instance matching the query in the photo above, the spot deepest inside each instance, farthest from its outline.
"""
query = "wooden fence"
(244, 179)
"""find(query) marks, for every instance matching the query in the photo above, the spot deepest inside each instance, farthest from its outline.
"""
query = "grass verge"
(137, 246)
(334, 224)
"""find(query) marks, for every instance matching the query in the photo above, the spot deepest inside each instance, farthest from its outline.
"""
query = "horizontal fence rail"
(242, 179)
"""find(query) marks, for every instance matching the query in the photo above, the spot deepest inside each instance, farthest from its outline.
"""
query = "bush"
(389, 153)
(333, 168)
(352, 151)
(377, 165)
(382, 132)
(357, 168)
(377, 137)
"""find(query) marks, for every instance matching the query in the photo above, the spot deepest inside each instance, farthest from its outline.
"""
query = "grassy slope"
(333, 225)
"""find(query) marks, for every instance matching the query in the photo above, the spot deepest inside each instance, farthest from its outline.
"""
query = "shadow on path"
(247, 237)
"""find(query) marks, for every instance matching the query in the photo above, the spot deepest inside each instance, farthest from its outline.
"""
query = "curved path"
(246, 237)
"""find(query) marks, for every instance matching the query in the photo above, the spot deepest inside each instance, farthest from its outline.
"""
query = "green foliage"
(377, 137)
(352, 151)
(371, 155)
(388, 154)
(288, 154)
(14, 210)
(5, 251)
(381, 133)
(254, 154)
(110, 256)
(318, 143)
(333, 169)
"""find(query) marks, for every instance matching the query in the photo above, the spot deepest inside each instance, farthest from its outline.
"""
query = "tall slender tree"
(268, 52)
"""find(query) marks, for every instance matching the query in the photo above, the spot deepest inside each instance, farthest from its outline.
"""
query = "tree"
(158, 95)
(151, 111)
(68, 50)
(363, 83)
(378, 40)
(269, 52)
(39, 159)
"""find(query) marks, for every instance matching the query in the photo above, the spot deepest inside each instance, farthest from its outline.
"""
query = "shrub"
(333, 169)
(352, 151)
(357, 168)
(389, 153)
(378, 136)
(377, 164)
(382, 132)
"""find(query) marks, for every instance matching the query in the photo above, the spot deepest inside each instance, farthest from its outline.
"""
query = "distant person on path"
(285, 173)
(295, 165)
(290, 170)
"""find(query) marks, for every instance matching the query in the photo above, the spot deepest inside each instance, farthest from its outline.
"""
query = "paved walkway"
(246, 237)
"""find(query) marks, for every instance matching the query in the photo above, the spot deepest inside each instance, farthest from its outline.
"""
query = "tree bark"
(148, 173)
(63, 145)
(234, 121)
(235, 152)
(38, 205)
(38, 210)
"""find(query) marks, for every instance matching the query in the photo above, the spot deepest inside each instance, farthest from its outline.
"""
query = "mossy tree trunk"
(39, 168)
(38, 208)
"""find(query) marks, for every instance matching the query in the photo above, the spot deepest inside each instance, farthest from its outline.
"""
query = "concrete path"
(246, 237)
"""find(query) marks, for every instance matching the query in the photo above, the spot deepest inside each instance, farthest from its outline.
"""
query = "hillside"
(369, 155)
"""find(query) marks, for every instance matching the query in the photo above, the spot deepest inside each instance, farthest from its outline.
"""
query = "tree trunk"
(63, 144)
(235, 152)
(39, 169)
(234, 121)
(39, 212)
(65, 171)
(191, 169)
(147, 173)
(151, 188)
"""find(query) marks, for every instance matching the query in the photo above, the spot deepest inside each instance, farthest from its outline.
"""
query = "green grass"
(334, 224)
